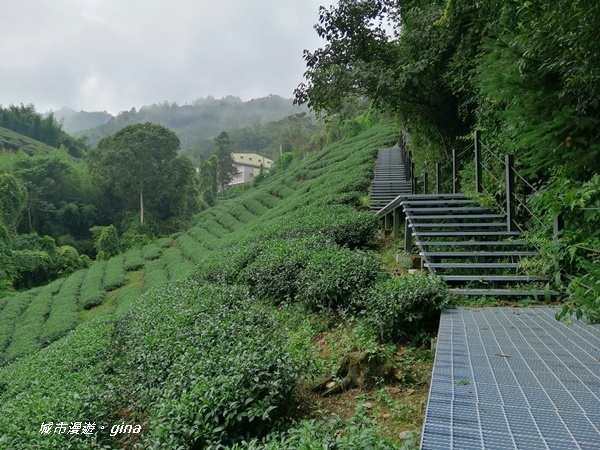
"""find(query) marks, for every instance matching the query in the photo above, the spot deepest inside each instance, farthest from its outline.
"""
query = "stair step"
(454, 265)
(415, 211)
(505, 278)
(436, 196)
(449, 201)
(465, 233)
(459, 225)
(507, 292)
(461, 216)
(470, 243)
(476, 254)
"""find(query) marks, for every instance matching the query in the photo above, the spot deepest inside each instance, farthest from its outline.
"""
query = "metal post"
(559, 225)
(387, 221)
(425, 183)
(407, 236)
(438, 178)
(510, 192)
(478, 174)
(396, 232)
(454, 172)
(414, 183)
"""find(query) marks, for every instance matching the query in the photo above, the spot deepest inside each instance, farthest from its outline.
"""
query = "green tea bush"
(57, 383)
(164, 242)
(406, 307)
(16, 306)
(63, 314)
(199, 365)
(227, 221)
(115, 275)
(155, 274)
(227, 266)
(151, 251)
(265, 199)
(176, 264)
(275, 269)
(92, 291)
(126, 296)
(133, 260)
(28, 326)
(190, 247)
(335, 433)
(339, 224)
(254, 206)
(335, 278)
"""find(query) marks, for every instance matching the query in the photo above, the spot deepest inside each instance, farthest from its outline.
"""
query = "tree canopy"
(141, 166)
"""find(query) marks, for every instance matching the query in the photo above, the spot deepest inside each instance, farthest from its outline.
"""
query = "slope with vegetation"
(237, 319)
(523, 72)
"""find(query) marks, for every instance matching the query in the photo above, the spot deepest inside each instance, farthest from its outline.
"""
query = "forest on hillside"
(524, 73)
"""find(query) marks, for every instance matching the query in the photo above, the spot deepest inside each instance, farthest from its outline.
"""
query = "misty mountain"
(202, 119)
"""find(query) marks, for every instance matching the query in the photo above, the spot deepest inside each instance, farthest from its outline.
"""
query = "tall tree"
(227, 169)
(137, 163)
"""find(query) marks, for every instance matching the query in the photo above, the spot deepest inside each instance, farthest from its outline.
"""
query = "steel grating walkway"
(513, 378)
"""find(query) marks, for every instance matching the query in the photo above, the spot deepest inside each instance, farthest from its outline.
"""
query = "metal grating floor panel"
(513, 378)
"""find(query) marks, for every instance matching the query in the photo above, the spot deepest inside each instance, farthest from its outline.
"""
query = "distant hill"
(75, 121)
(12, 141)
(204, 118)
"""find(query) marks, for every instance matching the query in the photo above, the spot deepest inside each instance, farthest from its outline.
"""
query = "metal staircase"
(469, 246)
(390, 178)
(475, 250)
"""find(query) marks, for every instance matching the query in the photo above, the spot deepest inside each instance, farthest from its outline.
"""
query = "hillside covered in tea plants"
(213, 338)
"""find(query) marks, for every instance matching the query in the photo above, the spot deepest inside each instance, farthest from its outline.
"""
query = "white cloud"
(115, 54)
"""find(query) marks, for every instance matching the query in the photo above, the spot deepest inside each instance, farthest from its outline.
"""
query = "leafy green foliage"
(405, 307)
(92, 289)
(191, 360)
(222, 392)
(140, 164)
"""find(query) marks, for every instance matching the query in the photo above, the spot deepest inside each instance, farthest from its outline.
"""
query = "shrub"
(340, 224)
(115, 275)
(335, 278)
(335, 433)
(405, 307)
(199, 366)
(133, 260)
(274, 271)
(92, 292)
(151, 251)
(63, 314)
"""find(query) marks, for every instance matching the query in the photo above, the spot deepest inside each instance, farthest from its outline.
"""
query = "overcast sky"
(97, 55)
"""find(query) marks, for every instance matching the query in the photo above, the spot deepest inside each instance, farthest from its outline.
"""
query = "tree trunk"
(141, 205)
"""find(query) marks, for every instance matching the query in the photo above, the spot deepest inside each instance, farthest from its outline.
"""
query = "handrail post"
(407, 236)
(438, 178)
(510, 192)
(396, 231)
(478, 173)
(413, 177)
(454, 172)
(425, 183)
(559, 225)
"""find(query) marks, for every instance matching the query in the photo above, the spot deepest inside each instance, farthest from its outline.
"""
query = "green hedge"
(405, 307)
(92, 291)
(63, 315)
(115, 275)
(199, 367)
